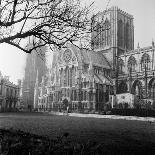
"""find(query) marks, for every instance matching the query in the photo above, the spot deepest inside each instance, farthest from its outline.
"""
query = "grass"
(105, 135)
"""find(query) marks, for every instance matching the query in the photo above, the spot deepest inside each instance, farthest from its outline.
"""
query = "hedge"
(134, 112)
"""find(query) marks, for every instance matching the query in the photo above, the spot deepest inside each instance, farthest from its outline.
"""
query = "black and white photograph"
(77, 77)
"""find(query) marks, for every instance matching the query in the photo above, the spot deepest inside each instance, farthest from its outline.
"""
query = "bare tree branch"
(53, 22)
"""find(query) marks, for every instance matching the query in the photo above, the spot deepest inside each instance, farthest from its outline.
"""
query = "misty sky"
(12, 60)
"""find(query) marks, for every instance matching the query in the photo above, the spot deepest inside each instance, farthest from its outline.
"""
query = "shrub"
(134, 112)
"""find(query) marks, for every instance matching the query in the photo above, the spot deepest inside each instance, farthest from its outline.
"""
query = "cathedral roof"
(96, 58)
(103, 79)
(83, 56)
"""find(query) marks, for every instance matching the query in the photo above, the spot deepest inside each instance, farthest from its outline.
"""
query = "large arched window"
(145, 62)
(61, 77)
(73, 75)
(132, 64)
(120, 33)
(137, 88)
(98, 35)
(103, 35)
(152, 89)
(127, 36)
(107, 32)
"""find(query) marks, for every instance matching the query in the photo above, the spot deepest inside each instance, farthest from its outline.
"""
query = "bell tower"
(112, 33)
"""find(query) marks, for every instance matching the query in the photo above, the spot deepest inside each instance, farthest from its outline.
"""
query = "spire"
(152, 43)
(138, 45)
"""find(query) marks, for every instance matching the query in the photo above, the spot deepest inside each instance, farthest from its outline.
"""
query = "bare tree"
(52, 22)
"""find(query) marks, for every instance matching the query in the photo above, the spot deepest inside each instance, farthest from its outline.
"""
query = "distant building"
(35, 62)
(9, 94)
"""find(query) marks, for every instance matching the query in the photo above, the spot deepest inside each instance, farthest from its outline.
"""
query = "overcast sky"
(12, 61)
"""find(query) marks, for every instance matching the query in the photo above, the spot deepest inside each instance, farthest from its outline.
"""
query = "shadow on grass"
(17, 142)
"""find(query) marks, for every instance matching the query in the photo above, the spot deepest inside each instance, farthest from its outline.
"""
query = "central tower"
(112, 33)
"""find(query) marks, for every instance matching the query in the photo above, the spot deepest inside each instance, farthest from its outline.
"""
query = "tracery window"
(107, 32)
(97, 35)
(132, 64)
(145, 62)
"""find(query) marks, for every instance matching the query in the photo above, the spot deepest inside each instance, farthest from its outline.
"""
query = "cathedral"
(111, 74)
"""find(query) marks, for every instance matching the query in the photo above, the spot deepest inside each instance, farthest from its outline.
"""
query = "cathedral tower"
(112, 33)
(35, 64)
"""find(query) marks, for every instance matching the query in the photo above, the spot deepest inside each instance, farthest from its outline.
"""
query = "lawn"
(114, 135)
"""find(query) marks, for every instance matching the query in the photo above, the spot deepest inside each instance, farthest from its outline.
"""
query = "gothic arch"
(132, 63)
(145, 57)
(120, 33)
(122, 87)
(145, 61)
(107, 23)
(151, 88)
(137, 88)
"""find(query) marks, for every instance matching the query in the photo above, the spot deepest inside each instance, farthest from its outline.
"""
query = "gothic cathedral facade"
(86, 79)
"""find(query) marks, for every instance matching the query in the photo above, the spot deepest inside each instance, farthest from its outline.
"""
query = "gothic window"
(75, 95)
(73, 75)
(65, 74)
(100, 36)
(61, 77)
(120, 65)
(97, 34)
(122, 88)
(152, 89)
(67, 55)
(120, 33)
(132, 64)
(68, 76)
(81, 95)
(127, 35)
(7, 92)
(137, 88)
(103, 35)
(107, 32)
(145, 62)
